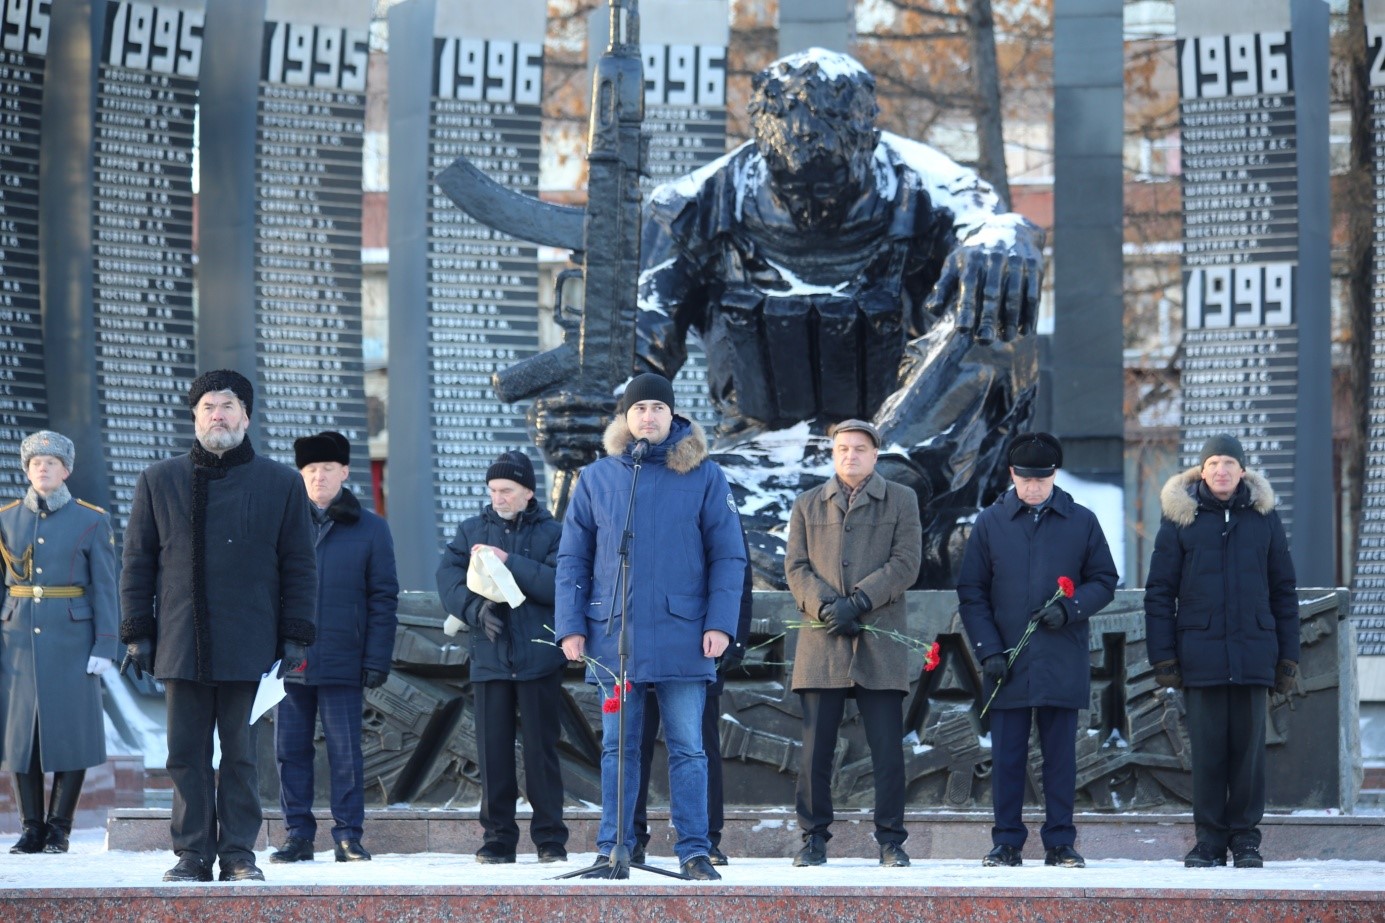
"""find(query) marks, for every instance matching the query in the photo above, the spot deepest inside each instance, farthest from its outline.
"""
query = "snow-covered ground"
(90, 865)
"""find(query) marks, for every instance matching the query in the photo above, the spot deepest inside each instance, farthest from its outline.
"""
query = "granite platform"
(695, 903)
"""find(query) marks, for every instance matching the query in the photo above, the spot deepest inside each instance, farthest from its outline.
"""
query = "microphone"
(641, 447)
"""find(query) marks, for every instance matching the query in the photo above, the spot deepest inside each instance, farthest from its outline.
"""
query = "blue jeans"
(680, 704)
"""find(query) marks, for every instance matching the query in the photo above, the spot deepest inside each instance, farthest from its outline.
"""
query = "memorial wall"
(310, 131)
(683, 43)
(1368, 587)
(24, 34)
(142, 303)
(482, 306)
(1240, 241)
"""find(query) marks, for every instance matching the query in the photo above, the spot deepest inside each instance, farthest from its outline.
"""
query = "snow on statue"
(832, 270)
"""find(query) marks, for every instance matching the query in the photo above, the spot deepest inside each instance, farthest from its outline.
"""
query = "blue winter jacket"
(1010, 570)
(357, 596)
(687, 557)
(1220, 597)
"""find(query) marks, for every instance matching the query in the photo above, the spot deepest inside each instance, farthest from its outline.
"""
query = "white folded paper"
(270, 691)
(487, 576)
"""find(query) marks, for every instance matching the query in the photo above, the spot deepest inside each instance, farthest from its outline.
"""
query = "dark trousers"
(711, 745)
(212, 817)
(539, 728)
(1009, 761)
(882, 714)
(1226, 727)
(340, 709)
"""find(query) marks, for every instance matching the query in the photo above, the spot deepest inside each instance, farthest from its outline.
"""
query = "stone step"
(775, 833)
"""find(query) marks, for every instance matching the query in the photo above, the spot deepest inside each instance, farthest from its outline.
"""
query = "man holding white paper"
(496, 575)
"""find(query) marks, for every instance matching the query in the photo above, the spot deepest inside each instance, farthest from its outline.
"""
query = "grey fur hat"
(47, 442)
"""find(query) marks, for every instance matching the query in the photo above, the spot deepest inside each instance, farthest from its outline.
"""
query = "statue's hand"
(993, 284)
(567, 427)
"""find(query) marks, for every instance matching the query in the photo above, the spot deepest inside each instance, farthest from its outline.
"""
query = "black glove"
(841, 618)
(492, 619)
(295, 659)
(1168, 675)
(994, 669)
(1053, 615)
(567, 426)
(733, 655)
(373, 679)
(139, 658)
(1285, 676)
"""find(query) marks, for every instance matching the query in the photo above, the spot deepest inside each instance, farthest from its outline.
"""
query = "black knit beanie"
(651, 386)
(512, 466)
(1223, 444)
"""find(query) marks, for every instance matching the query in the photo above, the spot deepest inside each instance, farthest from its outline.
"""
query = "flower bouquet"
(1065, 589)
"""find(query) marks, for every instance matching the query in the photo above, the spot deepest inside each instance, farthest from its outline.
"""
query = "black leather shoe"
(892, 855)
(1204, 856)
(1003, 855)
(494, 854)
(814, 851)
(717, 857)
(637, 855)
(1064, 857)
(353, 851)
(238, 870)
(699, 868)
(552, 852)
(1246, 856)
(296, 849)
(189, 868)
(31, 840)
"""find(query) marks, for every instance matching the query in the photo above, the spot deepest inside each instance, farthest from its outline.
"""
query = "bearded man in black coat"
(218, 580)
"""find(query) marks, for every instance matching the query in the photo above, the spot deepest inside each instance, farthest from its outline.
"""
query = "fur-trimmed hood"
(684, 449)
(1179, 502)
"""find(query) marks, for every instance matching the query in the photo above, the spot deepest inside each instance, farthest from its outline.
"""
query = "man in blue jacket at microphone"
(681, 598)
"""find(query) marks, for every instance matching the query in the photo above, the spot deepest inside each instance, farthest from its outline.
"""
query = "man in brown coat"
(854, 548)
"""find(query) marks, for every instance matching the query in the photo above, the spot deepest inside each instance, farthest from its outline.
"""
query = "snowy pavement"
(91, 865)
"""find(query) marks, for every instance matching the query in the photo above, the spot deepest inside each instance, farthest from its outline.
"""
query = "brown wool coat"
(875, 547)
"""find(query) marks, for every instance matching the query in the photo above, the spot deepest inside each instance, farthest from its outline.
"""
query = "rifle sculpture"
(604, 238)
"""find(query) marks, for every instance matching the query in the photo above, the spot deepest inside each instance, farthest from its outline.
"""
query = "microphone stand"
(620, 864)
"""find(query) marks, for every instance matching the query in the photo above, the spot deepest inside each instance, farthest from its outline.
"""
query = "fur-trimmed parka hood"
(684, 449)
(1179, 501)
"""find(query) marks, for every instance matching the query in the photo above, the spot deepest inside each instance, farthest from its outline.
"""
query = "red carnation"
(1065, 586)
(611, 705)
(932, 658)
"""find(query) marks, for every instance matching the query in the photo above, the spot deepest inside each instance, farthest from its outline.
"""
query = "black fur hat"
(326, 446)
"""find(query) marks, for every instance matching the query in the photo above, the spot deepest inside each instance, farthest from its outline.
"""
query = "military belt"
(46, 592)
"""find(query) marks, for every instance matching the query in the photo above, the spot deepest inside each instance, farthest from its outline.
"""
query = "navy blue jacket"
(1220, 597)
(531, 543)
(357, 597)
(687, 560)
(1010, 570)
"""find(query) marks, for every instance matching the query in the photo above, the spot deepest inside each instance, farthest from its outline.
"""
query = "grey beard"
(220, 440)
(506, 516)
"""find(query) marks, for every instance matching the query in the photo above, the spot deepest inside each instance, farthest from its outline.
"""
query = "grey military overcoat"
(45, 643)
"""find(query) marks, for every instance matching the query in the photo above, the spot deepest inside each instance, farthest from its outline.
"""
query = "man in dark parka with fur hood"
(1221, 619)
(218, 579)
